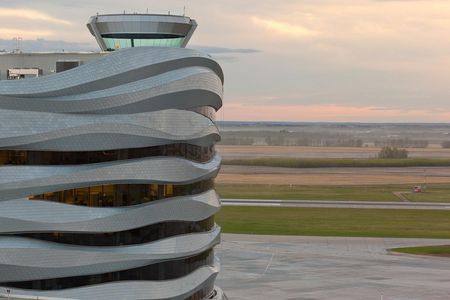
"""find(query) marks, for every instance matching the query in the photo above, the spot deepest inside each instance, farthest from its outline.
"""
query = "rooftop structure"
(136, 30)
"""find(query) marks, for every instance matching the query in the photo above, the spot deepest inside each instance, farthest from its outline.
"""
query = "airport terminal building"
(107, 166)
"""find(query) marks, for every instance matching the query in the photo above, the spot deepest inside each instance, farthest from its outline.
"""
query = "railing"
(7, 294)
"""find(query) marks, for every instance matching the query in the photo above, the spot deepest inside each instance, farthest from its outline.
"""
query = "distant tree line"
(392, 152)
(235, 140)
(402, 143)
(278, 140)
(316, 139)
(342, 143)
(339, 142)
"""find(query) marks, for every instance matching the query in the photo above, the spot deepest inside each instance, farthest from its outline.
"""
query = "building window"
(161, 271)
(124, 194)
(23, 157)
(141, 235)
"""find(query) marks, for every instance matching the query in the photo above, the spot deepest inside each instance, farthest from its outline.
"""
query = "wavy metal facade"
(106, 178)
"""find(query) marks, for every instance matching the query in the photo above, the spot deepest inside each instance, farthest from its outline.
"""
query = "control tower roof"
(134, 30)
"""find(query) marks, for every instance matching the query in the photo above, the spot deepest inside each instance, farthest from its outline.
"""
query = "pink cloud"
(328, 113)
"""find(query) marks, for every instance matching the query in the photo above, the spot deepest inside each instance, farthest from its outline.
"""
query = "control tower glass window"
(118, 43)
(112, 43)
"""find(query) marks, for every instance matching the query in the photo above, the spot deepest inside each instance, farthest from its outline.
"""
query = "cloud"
(329, 113)
(226, 58)
(220, 50)
(31, 15)
(43, 45)
(24, 33)
(283, 28)
(224, 54)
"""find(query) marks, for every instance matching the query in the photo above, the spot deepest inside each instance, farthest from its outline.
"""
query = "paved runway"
(336, 204)
(324, 268)
(288, 268)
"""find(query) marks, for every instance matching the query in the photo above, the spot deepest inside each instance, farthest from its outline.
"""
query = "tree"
(392, 152)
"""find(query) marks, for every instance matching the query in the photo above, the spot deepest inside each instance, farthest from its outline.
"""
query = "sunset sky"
(292, 60)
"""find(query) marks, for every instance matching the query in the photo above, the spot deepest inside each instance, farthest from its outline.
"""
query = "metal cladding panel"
(58, 132)
(118, 68)
(178, 289)
(132, 98)
(23, 259)
(22, 215)
(157, 27)
(23, 181)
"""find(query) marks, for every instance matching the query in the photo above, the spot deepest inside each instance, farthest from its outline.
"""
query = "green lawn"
(335, 222)
(339, 163)
(429, 250)
(434, 192)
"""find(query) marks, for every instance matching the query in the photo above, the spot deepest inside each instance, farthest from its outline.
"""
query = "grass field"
(338, 163)
(434, 193)
(298, 192)
(335, 222)
(430, 250)
(262, 151)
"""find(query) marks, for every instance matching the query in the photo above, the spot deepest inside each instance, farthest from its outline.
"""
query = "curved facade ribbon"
(107, 171)
(63, 132)
(22, 215)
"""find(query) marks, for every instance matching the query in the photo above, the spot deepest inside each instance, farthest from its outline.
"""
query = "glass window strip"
(141, 235)
(24, 157)
(120, 195)
(168, 270)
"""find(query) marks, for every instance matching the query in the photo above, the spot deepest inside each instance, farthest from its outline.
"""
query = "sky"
(287, 60)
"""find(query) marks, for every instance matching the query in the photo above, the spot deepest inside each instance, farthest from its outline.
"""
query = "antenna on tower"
(18, 40)
(184, 11)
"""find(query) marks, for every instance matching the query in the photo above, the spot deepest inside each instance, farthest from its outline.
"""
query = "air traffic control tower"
(107, 166)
